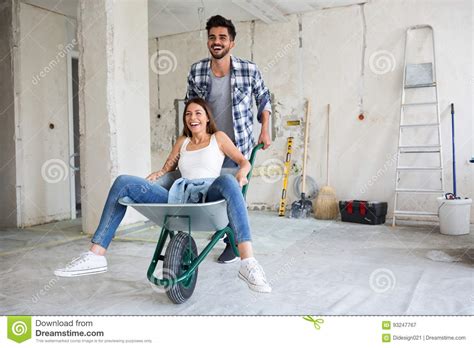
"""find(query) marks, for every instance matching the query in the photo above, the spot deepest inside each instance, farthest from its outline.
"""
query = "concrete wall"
(351, 58)
(8, 211)
(44, 173)
(114, 100)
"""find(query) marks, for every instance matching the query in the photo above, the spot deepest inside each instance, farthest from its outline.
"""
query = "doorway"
(74, 135)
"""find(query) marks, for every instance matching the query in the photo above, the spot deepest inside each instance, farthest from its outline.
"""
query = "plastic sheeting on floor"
(315, 267)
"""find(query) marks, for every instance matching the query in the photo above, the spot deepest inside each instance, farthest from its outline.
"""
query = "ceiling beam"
(253, 10)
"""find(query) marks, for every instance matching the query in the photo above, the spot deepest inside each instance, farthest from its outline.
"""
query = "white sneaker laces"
(78, 260)
(256, 273)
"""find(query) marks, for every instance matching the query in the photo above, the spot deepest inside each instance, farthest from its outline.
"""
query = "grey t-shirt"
(221, 104)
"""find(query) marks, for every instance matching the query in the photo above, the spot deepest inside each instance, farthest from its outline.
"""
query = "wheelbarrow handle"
(251, 160)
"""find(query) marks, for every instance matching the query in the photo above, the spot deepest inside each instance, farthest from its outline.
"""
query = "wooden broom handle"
(306, 136)
(327, 149)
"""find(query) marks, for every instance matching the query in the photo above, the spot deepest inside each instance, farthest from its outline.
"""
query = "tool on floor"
(286, 174)
(363, 212)
(303, 207)
(418, 76)
(312, 188)
(326, 206)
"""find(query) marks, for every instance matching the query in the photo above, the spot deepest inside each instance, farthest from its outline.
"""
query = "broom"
(326, 206)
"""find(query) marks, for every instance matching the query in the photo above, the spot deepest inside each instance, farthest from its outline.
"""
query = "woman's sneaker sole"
(60, 273)
(254, 287)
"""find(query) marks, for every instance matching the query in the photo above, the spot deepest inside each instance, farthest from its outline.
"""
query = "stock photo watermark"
(382, 280)
(390, 162)
(280, 54)
(63, 51)
(54, 170)
(163, 62)
(382, 62)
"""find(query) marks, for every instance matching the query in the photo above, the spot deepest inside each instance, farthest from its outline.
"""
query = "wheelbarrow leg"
(230, 235)
(157, 255)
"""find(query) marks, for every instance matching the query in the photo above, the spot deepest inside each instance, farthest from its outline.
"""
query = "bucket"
(454, 215)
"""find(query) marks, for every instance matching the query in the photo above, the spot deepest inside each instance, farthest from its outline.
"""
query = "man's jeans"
(141, 190)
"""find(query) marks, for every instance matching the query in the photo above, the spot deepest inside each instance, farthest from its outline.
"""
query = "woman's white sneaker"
(87, 263)
(252, 273)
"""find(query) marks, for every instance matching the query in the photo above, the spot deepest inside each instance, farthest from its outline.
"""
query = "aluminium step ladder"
(418, 76)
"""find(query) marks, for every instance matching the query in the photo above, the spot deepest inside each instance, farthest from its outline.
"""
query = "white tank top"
(203, 163)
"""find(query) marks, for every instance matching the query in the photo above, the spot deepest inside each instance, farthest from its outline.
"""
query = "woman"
(199, 153)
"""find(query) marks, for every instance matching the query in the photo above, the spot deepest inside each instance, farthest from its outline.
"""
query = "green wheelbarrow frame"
(179, 217)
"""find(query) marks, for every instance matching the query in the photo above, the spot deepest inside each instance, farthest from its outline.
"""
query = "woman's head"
(197, 118)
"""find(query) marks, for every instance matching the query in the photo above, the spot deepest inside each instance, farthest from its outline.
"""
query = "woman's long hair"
(211, 127)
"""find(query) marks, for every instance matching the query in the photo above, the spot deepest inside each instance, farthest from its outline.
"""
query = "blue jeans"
(141, 190)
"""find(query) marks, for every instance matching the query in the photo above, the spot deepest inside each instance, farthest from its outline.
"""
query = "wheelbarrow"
(181, 259)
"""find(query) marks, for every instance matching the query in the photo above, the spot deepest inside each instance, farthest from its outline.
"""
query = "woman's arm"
(230, 150)
(171, 162)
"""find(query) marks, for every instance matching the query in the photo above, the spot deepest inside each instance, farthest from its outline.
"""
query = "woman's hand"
(241, 177)
(155, 175)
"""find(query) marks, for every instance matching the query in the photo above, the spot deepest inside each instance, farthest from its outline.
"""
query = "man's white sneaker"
(87, 263)
(252, 273)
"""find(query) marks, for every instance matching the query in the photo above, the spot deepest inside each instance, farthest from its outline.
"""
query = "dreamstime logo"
(391, 160)
(63, 51)
(382, 280)
(163, 62)
(382, 62)
(280, 54)
(19, 328)
(44, 290)
(273, 170)
(54, 171)
(164, 273)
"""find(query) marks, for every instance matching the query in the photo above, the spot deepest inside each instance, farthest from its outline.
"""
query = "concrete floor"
(315, 267)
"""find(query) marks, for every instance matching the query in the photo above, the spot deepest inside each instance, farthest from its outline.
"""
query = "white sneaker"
(252, 273)
(87, 263)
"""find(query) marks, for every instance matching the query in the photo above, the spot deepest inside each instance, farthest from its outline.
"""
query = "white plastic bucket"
(454, 215)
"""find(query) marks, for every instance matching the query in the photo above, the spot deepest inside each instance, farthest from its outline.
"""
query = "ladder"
(418, 76)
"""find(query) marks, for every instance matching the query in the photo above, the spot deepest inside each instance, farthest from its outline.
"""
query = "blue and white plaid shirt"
(245, 80)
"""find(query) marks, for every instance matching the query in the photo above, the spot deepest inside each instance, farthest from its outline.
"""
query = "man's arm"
(262, 98)
(264, 137)
(189, 91)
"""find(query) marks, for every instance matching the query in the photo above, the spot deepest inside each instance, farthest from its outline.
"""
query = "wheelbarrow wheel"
(181, 251)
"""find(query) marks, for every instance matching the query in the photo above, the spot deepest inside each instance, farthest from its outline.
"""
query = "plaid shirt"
(245, 80)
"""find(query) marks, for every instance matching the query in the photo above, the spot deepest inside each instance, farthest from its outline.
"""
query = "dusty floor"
(315, 267)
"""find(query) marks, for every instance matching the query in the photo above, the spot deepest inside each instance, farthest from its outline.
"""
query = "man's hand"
(241, 178)
(155, 175)
(264, 139)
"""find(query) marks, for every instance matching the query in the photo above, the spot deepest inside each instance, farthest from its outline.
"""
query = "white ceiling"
(168, 17)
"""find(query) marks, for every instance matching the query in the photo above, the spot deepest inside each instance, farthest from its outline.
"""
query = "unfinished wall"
(8, 211)
(114, 100)
(42, 139)
(351, 58)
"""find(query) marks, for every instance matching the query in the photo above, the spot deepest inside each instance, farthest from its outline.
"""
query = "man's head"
(220, 36)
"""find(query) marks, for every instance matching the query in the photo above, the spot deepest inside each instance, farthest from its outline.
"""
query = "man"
(227, 83)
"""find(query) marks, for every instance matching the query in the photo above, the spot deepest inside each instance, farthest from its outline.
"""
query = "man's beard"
(219, 55)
